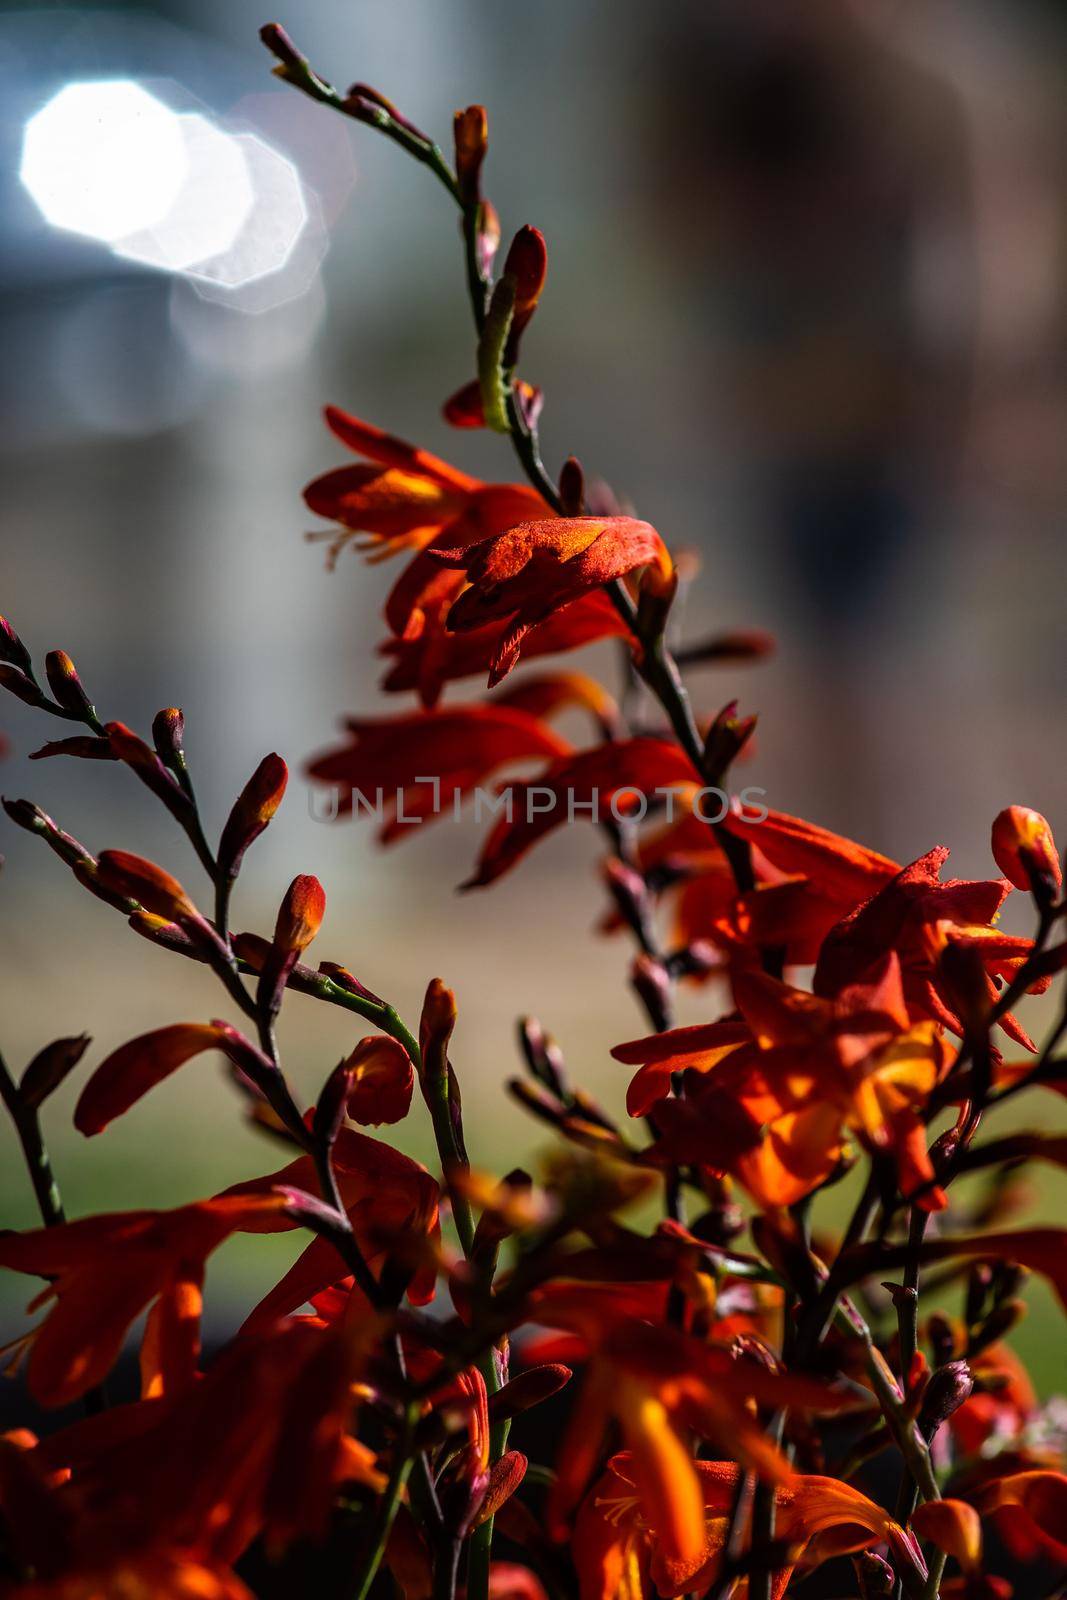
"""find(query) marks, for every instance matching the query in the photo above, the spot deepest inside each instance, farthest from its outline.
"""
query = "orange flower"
(106, 1270)
(807, 879)
(625, 773)
(400, 498)
(392, 1204)
(435, 657)
(403, 498)
(915, 915)
(430, 759)
(382, 1080)
(1030, 1512)
(658, 1383)
(619, 1544)
(802, 1069)
(258, 1445)
(528, 571)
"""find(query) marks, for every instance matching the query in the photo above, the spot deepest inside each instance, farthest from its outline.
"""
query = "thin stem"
(27, 1125)
(403, 1461)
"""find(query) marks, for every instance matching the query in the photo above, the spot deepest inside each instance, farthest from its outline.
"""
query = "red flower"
(459, 747)
(434, 657)
(619, 1542)
(658, 1383)
(522, 575)
(1030, 1512)
(625, 772)
(915, 915)
(802, 1069)
(392, 1204)
(106, 1270)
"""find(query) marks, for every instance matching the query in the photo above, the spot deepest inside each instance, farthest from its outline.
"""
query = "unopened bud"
(300, 914)
(49, 1067)
(528, 1389)
(16, 682)
(526, 266)
(572, 487)
(135, 878)
(874, 1575)
(543, 1056)
(436, 1023)
(651, 983)
(505, 1476)
(726, 738)
(1024, 849)
(251, 813)
(471, 132)
(168, 733)
(750, 644)
(945, 1392)
(66, 686)
(12, 649)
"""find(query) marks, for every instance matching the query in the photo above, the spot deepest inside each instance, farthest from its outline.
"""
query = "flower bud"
(526, 265)
(300, 915)
(344, 980)
(528, 1389)
(66, 686)
(726, 738)
(135, 878)
(543, 1056)
(16, 682)
(945, 1392)
(436, 1023)
(251, 813)
(168, 732)
(876, 1577)
(12, 649)
(749, 644)
(505, 1476)
(299, 919)
(49, 1067)
(997, 1326)
(1024, 849)
(651, 982)
(471, 133)
(381, 1079)
(572, 487)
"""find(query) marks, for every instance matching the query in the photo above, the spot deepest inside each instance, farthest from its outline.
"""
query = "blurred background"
(806, 309)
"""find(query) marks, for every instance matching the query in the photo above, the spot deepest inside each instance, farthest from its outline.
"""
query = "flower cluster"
(739, 1387)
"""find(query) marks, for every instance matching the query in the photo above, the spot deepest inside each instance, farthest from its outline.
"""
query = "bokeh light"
(174, 191)
(210, 209)
(104, 159)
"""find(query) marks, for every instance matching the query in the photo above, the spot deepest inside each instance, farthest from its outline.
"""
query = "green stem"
(390, 1504)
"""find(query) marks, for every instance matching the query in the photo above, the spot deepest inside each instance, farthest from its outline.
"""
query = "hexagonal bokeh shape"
(104, 159)
(211, 208)
(272, 230)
